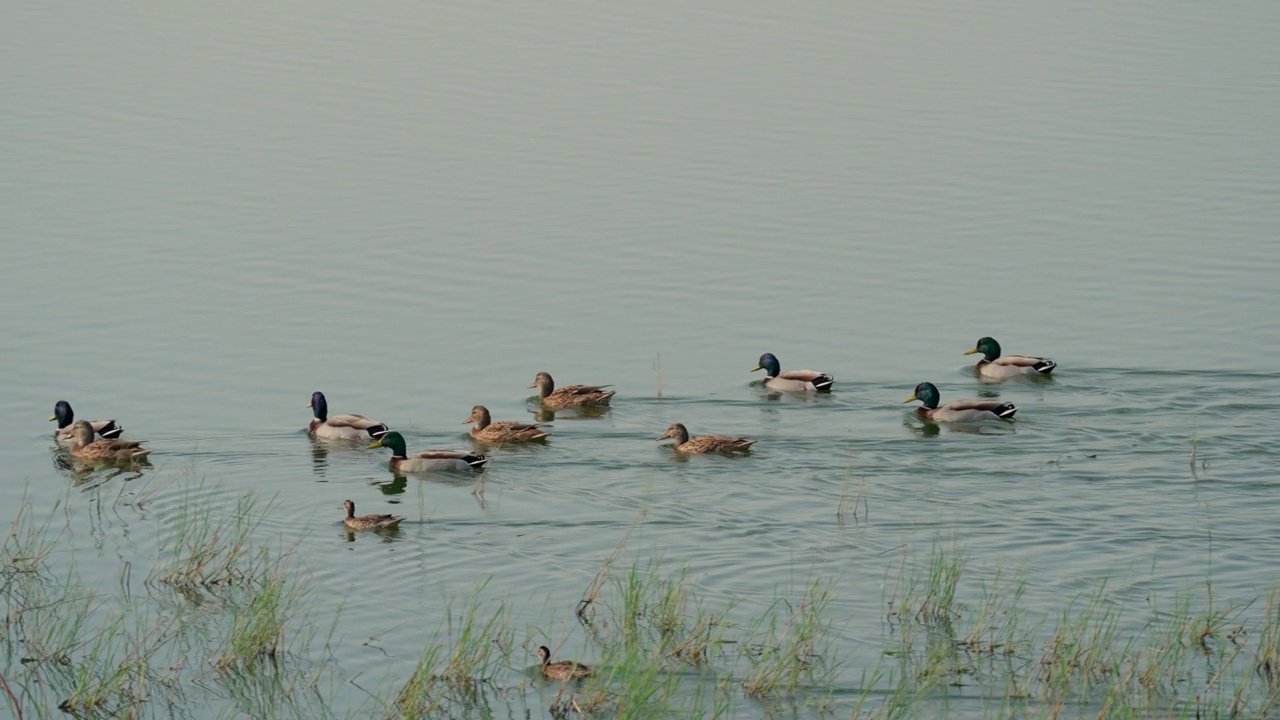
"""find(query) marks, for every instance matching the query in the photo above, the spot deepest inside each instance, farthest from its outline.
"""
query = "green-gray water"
(210, 212)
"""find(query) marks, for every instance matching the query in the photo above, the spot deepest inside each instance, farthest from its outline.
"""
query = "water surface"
(210, 212)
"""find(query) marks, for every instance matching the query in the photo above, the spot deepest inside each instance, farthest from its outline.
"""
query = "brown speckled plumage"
(488, 431)
(562, 670)
(106, 450)
(570, 395)
(368, 522)
(705, 443)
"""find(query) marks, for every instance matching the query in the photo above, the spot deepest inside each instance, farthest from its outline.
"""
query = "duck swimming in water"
(792, 380)
(957, 411)
(995, 365)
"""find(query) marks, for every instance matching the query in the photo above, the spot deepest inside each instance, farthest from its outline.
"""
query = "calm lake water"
(210, 212)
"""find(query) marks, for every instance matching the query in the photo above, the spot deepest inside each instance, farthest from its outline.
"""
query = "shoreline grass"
(206, 550)
(459, 663)
(792, 647)
(97, 654)
(225, 618)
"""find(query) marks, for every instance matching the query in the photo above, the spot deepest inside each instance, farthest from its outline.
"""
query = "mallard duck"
(342, 427)
(499, 432)
(561, 670)
(368, 522)
(957, 411)
(109, 450)
(570, 395)
(706, 443)
(429, 460)
(64, 435)
(993, 365)
(792, 380)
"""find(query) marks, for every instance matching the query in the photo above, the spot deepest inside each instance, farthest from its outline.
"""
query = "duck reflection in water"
(88, 477)
(544, 414)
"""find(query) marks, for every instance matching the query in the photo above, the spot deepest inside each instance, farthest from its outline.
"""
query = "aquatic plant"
(208, 550)
(657, 611)
(258, 621)
(930, 596)
(790, 647)
(458, 661)
(994, 627)
(94, 655)
(660, 648)
(852, 506)
(1084, 647)
(91, 655)
(112, 672)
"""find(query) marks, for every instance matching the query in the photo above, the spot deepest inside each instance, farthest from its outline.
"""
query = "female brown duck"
(705, 443)
(499, 432)
(570, 395)
(105, 450)
(368, 522)
(561, 670)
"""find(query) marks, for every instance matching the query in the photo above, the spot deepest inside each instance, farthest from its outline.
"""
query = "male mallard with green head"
(705, 443)
(340, 427)
(429, 460)
(792, 380)
(505, 431)
(570, 395)
(957, 411)
(995, 365)
(66, 437)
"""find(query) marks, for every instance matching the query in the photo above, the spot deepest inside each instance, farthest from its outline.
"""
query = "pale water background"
(209, 212)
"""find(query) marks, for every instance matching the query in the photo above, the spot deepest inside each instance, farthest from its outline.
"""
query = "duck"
(560, 670)
(106, 450)
(429, 460)
(499, 432)
(994, 365)
(368, 522)
(957, 411)
(705, 443)
(792, 380)
(340, 427)
(66, 437)
(570, 395)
